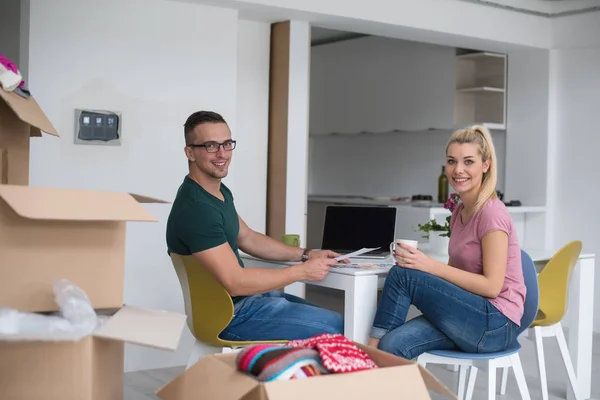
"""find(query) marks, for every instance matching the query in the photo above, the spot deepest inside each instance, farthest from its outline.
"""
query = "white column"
(298, 117)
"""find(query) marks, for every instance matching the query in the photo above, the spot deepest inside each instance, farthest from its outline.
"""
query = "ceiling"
(545, 8)
(324, 35)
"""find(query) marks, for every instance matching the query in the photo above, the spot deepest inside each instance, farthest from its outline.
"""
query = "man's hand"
(316, 268)
(326, 254)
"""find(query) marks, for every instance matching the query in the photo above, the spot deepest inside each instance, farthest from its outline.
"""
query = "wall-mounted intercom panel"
(100, 127)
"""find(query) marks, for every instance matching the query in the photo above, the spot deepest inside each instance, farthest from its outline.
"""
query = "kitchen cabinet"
(378, 85)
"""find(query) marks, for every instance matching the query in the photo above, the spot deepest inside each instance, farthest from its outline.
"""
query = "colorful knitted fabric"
(269, 362)
(337, 353)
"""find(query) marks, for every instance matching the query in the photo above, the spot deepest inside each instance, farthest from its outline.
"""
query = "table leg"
(297, 289)
(360, 304)
(582, 326)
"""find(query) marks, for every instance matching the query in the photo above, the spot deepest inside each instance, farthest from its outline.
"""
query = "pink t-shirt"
(466, 253)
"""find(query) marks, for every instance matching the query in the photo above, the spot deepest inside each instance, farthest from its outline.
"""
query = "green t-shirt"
(199, 221)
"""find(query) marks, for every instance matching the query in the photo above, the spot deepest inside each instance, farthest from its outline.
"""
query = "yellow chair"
(208, 307)
(554, 282)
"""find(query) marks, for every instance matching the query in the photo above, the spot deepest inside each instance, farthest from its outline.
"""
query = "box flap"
(153, 328)
(213, 377)
(145, 199)
(73, 205)
(381, 383)
(29, 111)
(384, 359)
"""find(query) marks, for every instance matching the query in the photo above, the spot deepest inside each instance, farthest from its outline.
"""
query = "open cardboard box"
(216, 377)
(51, 233)
(20, 119)
(88, 368)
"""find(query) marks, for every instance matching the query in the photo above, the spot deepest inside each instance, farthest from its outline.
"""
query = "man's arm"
(265, 247)
(223, 264)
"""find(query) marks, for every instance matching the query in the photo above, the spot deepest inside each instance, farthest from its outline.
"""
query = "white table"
(360, 302)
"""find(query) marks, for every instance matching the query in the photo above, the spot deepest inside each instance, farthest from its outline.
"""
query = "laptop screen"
(349, 228)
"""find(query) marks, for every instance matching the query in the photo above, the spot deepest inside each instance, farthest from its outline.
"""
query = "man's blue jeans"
(453, 318)
(280, 316)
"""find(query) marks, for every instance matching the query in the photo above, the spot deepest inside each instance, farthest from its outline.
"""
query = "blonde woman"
(475, 302)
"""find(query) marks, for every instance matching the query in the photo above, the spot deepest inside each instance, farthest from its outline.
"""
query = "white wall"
(527, 126)
(576, 189)
(10, 19)
(581, 30)
(249, 164)
(156, 62)
(378, 84)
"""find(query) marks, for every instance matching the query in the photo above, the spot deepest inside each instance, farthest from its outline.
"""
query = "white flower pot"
(438, 244)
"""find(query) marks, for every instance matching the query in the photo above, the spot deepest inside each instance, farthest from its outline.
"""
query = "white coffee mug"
(412, 243)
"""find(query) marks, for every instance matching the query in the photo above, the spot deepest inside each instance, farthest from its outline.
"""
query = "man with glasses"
(204, 223)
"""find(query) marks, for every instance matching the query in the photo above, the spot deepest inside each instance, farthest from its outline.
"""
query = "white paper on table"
(361, 266)
(356, 253)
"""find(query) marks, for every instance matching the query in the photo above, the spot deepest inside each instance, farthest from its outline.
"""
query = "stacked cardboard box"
(48, 234)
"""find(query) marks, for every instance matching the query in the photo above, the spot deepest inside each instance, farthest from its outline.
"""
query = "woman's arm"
(494, 249)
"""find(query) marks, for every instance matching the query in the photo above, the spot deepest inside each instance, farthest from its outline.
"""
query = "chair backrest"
(532, 298)
(208, 305)
(554, 281)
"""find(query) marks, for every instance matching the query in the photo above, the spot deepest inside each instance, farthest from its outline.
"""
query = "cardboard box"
(88, 369)
(51, 233)
(216, 377)
(20, 119)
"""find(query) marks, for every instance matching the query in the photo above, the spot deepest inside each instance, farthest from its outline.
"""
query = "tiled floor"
(142, 385)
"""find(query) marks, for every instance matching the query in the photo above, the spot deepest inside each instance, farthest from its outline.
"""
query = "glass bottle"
(443, 186)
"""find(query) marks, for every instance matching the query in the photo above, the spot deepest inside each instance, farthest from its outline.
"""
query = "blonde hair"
(480, 136)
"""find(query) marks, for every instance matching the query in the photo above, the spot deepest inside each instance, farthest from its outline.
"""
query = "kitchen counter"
(433, 206)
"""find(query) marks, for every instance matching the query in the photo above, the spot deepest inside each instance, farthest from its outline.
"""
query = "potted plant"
(438, 234)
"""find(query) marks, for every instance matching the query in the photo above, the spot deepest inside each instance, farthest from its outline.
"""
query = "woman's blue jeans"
(453, 318)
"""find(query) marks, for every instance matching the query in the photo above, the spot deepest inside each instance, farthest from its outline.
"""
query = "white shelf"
(370, 133)
(490, 125)
(494, 127)
(512, 210)
(481, 89)
(480, 56)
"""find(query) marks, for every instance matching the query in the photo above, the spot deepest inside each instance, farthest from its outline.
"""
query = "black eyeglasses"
(213, 147)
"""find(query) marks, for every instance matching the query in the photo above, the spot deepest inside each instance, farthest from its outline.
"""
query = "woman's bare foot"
(373, 342)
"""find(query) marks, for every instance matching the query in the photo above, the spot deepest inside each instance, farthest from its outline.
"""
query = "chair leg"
(199, 349)
(504, 380)
(515, 362)
(471, 384)
(462, 380)
(539, 349)
(491, 380)
(564, 352)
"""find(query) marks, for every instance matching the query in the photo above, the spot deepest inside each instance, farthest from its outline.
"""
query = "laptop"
(351, 228)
